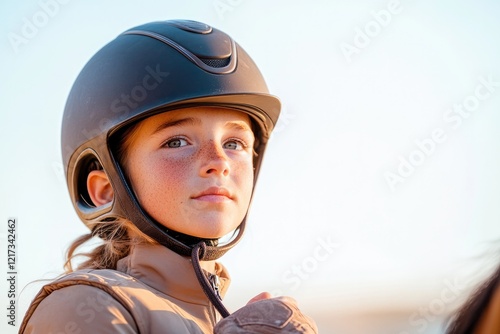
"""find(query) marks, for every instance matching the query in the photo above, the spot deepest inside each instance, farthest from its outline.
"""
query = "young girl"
(163, 135)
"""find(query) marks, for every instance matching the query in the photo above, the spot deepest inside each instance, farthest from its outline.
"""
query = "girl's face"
(192, 169)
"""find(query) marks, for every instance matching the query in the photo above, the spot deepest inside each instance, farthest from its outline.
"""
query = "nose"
(214, 160)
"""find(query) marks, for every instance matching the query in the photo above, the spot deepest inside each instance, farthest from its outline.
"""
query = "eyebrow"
(177, 122)
(238, 125)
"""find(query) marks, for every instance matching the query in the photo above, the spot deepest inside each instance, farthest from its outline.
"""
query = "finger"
(260, 296)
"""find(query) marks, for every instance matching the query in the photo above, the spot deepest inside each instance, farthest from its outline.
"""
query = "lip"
(214, 194)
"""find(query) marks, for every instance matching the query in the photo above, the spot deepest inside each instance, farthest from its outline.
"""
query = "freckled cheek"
(243, 172)
(162, 180)
(173, 173)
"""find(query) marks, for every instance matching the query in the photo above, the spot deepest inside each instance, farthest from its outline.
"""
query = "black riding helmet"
(150, 69)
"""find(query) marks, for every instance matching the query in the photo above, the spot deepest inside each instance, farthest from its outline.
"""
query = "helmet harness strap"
(214, 297)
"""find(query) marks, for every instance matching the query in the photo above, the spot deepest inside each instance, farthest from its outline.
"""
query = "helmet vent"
(216, 62)
(212, 65)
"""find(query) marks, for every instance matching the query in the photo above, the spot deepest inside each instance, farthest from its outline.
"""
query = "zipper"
(214, 280)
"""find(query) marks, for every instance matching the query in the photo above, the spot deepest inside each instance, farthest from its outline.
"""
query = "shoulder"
(104, 276)
(111, 281)
(76, 309)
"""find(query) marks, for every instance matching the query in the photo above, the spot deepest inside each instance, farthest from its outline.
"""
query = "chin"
(206, 226)
(214, 230)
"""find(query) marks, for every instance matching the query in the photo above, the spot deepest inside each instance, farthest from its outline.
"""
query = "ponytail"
(116, 242)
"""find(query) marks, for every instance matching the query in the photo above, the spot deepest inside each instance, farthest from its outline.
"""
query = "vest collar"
(171, 273)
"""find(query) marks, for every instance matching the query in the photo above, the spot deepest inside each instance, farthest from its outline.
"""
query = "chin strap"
(210, 289)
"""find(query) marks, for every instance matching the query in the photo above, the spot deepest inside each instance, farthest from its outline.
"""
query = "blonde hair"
(116, 240)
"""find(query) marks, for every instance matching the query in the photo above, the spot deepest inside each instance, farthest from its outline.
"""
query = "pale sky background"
(349, 118)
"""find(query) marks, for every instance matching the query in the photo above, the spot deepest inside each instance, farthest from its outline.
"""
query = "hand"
(260, 296)
(265, 315)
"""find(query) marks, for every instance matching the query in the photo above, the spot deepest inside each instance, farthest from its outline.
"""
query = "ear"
(99, 187)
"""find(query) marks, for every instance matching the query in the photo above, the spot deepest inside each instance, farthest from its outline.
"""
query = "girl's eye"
(176, 142)
(234, 144)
